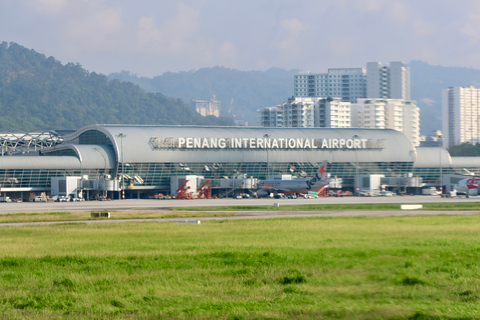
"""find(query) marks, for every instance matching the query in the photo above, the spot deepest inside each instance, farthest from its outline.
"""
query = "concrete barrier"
(188, 221)
(100, 214)
(411, 206)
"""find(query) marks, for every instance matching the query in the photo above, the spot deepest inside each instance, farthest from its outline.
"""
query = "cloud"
(398, 12)
(293, 26)
(228, 52)
(171, 36)
(50, 7)
(370, 5)
(423, 28)
(94, 28)
(472, 24)
(341, 45)
(428, 101)
(148, 33)
(157, 36)
(288, 34)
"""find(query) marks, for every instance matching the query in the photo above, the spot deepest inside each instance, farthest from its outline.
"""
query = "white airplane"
(294, 186)
(468, 186)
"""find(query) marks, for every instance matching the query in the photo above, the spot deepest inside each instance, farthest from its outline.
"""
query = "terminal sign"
(264, 143)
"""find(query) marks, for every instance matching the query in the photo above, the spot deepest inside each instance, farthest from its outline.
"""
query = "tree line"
(465, 149)
(39, 93)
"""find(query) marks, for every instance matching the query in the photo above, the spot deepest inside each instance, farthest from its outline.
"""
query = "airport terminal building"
(144, 160)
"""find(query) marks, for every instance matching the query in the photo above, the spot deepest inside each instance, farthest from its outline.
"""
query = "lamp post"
(267, 136)
(440, 137)
(104, 170)
(356, 168)
(121, 136)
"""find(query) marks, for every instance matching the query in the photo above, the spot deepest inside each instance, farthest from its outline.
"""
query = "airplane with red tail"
(468, 186)
(296, 185)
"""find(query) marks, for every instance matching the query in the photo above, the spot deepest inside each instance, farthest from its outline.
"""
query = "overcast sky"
(150, 37)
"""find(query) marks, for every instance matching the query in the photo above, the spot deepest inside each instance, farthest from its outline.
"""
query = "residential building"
(461, 115)
(433, 140)
(397, 114)
(207, 107)
(346, 83)
(296, 112)
(388, 81)
(379, 80)
(332, 113)
(271, 117)
(307, 113)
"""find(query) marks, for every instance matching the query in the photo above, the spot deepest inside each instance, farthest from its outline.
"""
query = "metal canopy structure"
(15, 143)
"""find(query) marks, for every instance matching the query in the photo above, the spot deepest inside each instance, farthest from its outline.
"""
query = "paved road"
(256, 215)
(150, 204)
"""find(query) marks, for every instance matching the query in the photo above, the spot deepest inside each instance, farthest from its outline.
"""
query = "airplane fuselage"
(292, 186)
(468, 186)
(295, 186)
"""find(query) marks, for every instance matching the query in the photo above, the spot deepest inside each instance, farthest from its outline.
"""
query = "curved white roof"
(88, 157)
(137, 146)
(35, 162)
(431, 157)
(466, 162)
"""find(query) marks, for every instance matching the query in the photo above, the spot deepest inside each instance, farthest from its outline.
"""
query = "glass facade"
(94, 137)
(40, 178)
(158, 174)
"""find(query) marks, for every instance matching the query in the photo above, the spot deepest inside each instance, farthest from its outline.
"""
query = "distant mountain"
(39, 93)
(427, 83)
(241, 93)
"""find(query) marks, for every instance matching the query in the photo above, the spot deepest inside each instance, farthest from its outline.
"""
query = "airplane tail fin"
(322, 171)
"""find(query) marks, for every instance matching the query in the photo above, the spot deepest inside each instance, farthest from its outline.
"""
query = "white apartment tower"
(461, 115)
(208, 107)
(397, 114)
(296, 112)
(333, 113)
(307, 113)
(271, 117)
(388, 81)
(346, 83)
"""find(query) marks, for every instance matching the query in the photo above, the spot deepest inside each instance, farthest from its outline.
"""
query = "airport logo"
(162, 143)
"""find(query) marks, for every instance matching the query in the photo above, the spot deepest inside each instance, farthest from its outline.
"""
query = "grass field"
(85, 215)
(441, 206)
(299, 268)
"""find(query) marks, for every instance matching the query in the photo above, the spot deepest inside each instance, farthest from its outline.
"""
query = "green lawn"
(86, 215)
(443, 206)
(424, 267)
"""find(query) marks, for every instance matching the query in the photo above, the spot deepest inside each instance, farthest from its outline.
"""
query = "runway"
(153, 205)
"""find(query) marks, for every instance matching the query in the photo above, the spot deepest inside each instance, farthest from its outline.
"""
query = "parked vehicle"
(5, 199)
(432, 191)
(387, 194)
(449, 194)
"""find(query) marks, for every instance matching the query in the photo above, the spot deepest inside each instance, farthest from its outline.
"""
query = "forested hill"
(39, 93)
(241, 93)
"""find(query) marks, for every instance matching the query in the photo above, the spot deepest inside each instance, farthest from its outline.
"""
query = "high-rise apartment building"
(461, 115)
(388, 81)
(207, 107)
(397, 114)
(346, 83)
(271, 117)
(296, 112)
(307, 113)
(380, 80)
(332, 113)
